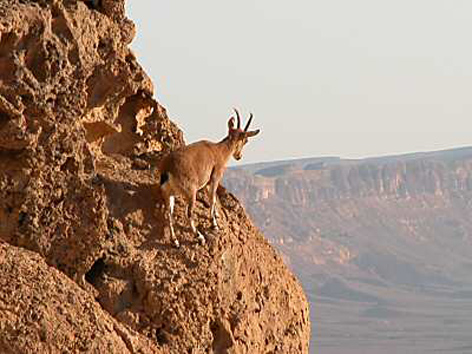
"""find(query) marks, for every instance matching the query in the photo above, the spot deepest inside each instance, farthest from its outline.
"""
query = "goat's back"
(190, 166)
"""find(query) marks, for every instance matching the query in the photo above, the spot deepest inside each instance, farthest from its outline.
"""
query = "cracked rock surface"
(86, 263)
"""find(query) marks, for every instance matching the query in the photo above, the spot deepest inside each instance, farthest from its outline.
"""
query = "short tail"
(164, 178)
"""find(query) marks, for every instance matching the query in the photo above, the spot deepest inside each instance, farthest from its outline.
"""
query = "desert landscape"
(382, 246)
(323, 254)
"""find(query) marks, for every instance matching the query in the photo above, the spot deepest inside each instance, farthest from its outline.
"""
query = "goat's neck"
(227, 147)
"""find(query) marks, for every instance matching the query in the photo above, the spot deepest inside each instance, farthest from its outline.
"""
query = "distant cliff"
(311, 184)
(378, 240)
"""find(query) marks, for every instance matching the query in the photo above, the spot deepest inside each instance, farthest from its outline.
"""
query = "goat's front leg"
(190, 207)
(214, 182)
(213, 211)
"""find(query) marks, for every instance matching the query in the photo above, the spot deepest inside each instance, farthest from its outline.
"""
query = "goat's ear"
(252, 133)
(231, 123)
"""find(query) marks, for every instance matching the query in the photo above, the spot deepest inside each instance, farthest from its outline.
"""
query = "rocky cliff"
(86, 263)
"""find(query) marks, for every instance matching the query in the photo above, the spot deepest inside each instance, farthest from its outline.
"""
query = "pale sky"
(323, 78)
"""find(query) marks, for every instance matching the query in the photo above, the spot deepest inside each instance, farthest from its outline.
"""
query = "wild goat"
(187, 170)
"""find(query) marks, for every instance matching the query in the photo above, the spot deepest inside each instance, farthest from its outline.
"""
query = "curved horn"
(239, 118)
(248, 123)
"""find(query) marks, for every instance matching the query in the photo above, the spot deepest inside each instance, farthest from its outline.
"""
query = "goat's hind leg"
(171, 222)
(170, 204)
(190, 207)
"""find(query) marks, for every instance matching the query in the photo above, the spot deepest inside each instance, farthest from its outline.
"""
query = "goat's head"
(238, 136)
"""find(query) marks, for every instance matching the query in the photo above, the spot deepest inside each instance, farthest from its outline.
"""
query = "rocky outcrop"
(79, 129)
(43, 311)
(71, 83)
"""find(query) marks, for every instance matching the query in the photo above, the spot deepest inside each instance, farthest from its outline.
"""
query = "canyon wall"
(381, 245)
(382, 178)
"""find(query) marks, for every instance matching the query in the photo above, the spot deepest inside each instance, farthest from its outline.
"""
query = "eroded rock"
(43, 311)
(80, 138)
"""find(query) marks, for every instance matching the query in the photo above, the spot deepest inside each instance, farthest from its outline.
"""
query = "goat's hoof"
(201, 239)
(176, 243)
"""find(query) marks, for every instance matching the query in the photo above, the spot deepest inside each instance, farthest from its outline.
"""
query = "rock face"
(78, 130)
(43, 311)
(384, 241)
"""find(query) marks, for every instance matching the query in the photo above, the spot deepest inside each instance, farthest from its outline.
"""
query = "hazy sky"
(332, 77)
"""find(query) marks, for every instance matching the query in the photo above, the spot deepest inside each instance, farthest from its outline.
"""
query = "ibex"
(187, 170)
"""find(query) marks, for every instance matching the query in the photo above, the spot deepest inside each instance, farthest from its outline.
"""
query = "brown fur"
(191, 168)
